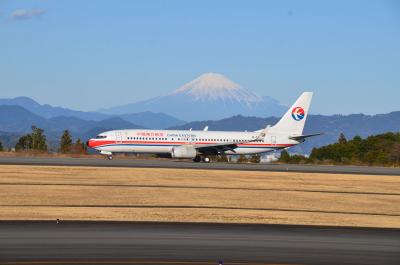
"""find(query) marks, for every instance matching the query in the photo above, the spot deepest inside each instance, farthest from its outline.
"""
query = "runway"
(141, 163)
(173, 243)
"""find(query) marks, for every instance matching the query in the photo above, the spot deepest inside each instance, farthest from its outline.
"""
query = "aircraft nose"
(89, 143)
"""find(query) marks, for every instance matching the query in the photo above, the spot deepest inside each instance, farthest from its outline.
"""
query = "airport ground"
(8, 158)
(23, 243)
(112, 214)
(194, 195)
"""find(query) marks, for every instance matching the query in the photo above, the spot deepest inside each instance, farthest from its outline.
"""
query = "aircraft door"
(273, 140)
(118, 137)
(192, 138)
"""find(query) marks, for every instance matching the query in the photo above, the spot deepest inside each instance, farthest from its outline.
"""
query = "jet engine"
(183, 151)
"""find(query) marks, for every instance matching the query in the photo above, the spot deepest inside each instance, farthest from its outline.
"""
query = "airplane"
(199, 145)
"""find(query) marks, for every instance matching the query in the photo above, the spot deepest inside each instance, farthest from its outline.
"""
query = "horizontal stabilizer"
(303, 137)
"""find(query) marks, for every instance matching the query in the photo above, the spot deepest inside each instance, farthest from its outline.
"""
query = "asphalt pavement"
(183, 243)
(165, 163)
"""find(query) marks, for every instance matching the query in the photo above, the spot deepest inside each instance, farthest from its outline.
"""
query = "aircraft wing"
(216, 149)
(219, 148)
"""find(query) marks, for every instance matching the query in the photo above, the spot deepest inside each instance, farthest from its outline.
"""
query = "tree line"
(375, 150)
(36, 141)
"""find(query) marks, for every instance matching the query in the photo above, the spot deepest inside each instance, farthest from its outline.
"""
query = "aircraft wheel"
(197, 159)
(206, 160)
(110, 157)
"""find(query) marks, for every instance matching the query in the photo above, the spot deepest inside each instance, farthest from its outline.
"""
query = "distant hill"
(48, 111)
(152, 120)
(72, 123)
(235, 123)
(16, 121)
(210, 96)
(331, 126)
(107, 125)
(146, 119)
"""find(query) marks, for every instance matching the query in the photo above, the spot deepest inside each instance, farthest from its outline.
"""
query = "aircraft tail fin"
(294, 119)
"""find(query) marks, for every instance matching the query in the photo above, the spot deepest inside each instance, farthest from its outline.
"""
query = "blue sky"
(93, 54)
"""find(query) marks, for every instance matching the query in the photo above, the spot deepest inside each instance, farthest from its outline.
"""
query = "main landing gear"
(197, 159)
(109, 157)
(201, 159)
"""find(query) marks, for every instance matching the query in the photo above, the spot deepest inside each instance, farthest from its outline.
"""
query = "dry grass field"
(182, 195)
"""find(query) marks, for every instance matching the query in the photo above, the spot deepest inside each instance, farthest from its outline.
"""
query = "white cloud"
(27, 13)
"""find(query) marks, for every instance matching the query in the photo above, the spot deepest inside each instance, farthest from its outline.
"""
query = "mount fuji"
(210, 96)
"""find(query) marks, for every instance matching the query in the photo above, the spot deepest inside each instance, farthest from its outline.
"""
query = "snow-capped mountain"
(214, 87)
(210, 96)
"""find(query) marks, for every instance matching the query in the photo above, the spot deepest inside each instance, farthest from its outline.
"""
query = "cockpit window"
(100, 136)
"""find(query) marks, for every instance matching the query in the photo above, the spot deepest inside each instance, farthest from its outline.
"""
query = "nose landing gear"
(108, 155)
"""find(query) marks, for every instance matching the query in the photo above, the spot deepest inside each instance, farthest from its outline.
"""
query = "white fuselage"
(163, 141)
